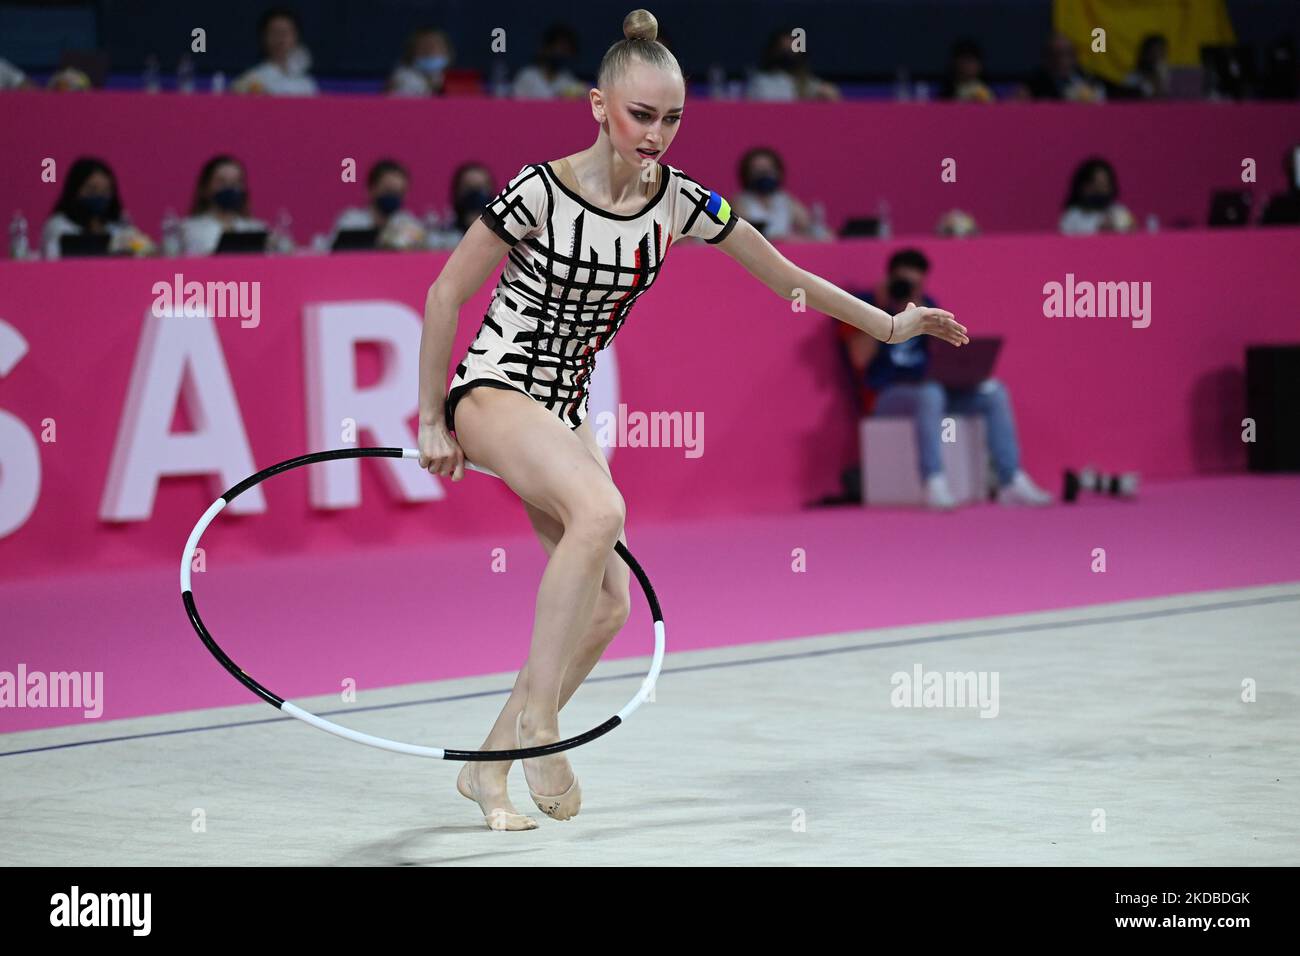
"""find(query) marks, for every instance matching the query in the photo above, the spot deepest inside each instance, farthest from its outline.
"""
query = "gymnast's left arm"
(748, 246)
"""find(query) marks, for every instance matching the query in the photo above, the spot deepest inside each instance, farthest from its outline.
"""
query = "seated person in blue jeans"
(893, 381)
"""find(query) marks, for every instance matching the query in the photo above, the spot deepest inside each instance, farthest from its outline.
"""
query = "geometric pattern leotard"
(572, 275)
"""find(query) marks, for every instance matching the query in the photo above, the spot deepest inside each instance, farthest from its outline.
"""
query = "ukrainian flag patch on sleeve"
(718, 207)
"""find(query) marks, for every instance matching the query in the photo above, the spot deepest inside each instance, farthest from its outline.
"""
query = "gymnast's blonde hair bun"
(640, 25)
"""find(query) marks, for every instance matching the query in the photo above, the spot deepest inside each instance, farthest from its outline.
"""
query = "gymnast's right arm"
(474, 259)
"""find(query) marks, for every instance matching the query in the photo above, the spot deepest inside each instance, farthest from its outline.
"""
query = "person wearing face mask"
(893, 380)
(284, 71)
(89, 203)
(1093, 204)
(423, 69)
(784, 74)
(767, 206)
(387, 183)
(551, 76)
(472, 187)
(220, 205)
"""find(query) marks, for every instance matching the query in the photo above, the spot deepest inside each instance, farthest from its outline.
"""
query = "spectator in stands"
(472, 186)
(422, 71)
(785, 74)
(1283, 209)
(764, 203)
(90, 204)
(893, 380)
(965, 79)
(12, 78)
(387, 183)
(1092, 204)
(1059, 78)
(284, 72)
(220, 205)
(1150, 77)
(551, 76)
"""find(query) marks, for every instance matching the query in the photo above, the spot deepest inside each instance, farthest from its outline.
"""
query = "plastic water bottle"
(1153, 223)
(185, 74)
(902, 85)
(152, 80)
(171, 234)
(218, 83)
(500, 78)
(18, 247)
(922, 91)
(282, 240)
(884, 229)
(819, 229)
(717, 81)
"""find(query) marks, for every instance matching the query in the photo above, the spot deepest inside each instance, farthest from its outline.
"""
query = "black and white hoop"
(288, 707)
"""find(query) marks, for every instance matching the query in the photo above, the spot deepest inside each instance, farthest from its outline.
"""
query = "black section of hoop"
(313, 458)
(193, 612)
(276, 701)
(631, 562)
(539, 751)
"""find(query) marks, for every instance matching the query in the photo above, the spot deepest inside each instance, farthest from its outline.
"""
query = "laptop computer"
(83, 244)
(353, 239)
(965, 366)
(242, 242)
(1230, 207)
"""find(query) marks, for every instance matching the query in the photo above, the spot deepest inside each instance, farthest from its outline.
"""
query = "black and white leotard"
(572, 274)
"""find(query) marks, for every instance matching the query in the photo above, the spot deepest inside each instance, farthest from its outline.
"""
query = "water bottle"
(152, 80)
(717, 81)
(171, 234)
(282, 238)
(922, 91)
(883, 230)
(500, 78)
(819, 229)
(185, 74)
(902, 85)
(218, 83)
(18, 248)
(1153, 223)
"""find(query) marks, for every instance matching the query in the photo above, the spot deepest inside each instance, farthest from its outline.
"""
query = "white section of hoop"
(187, 557)
(415, 453)
(382, 743)
(648, 684)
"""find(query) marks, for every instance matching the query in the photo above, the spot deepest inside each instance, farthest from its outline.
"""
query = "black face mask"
(1095, 201)
(93, 207)
(900, 290)
(765, 184)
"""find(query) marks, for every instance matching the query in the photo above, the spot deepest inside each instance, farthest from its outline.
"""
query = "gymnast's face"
(641, 112)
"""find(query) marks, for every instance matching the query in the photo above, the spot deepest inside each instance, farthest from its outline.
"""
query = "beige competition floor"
(1124, 715)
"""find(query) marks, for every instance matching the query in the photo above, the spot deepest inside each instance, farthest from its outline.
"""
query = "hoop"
(383, 743)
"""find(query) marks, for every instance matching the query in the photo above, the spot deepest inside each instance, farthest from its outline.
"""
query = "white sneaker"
(937, 494)
(1021, 490)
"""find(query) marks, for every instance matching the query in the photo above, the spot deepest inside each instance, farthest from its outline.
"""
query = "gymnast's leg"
(552, 469)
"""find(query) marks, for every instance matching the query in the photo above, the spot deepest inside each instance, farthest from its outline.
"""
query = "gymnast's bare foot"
(485, 784)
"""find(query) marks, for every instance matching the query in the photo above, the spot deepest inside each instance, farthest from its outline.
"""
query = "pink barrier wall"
(1013, 160)
(778, 421)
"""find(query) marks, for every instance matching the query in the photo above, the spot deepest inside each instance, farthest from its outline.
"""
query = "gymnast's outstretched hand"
(440, 453)
(914, 321)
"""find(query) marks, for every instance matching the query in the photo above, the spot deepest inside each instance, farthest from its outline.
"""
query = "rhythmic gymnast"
(586, 236)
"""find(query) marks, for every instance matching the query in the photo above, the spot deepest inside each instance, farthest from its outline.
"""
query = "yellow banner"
(1187, 25)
